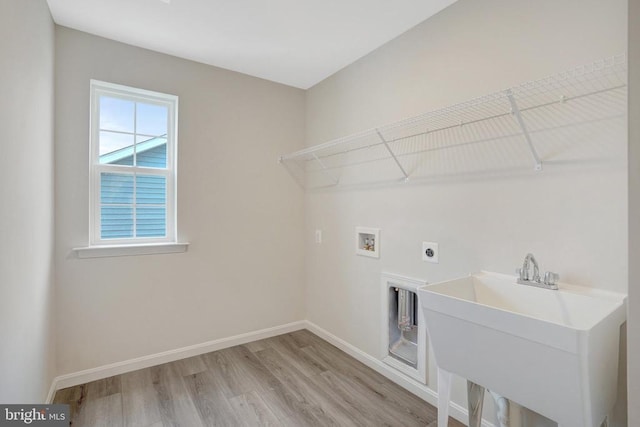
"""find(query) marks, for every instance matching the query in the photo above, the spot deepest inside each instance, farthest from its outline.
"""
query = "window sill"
(129, 250)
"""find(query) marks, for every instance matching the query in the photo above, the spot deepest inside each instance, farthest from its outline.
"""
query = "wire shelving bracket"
(516, 113)
(395, 159)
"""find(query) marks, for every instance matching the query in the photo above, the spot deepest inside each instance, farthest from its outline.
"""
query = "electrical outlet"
(430, 252)
(318, 236)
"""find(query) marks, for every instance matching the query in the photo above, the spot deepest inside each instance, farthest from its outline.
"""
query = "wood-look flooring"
(295, 379)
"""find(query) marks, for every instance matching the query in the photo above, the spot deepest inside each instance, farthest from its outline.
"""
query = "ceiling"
(295, 42)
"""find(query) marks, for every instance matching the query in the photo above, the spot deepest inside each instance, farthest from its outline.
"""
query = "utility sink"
(552, 351)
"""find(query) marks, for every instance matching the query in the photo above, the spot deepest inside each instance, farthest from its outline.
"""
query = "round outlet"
(430, 252)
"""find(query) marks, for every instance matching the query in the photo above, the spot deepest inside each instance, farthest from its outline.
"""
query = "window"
(133, 165)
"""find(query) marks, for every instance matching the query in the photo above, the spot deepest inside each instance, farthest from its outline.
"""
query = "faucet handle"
(551, 278)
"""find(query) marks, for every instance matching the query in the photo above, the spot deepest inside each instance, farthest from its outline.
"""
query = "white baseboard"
(93, 374)
(52, 391)
(422, 391)
(415, 387)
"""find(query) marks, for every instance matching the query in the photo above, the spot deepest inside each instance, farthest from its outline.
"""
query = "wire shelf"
(554, 119)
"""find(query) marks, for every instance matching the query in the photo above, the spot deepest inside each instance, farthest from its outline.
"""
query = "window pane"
(117, 222)
(151, 119)
(151, 190)
(116, 188)
(132, 164)
(151, 222)
(116, 114)
(116, 148)
(151, 152)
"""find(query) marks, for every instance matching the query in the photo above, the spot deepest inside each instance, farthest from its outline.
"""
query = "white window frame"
(97, 89)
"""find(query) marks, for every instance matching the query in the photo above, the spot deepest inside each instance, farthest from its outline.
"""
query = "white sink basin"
(555, 352)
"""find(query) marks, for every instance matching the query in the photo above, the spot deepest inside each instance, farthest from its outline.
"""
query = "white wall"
(237, 207)
(633, 328)
(573, 218)
(26, 207)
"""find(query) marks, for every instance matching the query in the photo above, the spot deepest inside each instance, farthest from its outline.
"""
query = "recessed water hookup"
(368, 242)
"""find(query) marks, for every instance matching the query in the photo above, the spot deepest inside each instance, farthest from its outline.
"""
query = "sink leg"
(502, 409)
(475, 398)
(444, 394)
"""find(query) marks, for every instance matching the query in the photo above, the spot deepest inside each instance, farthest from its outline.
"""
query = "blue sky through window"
(117, 120)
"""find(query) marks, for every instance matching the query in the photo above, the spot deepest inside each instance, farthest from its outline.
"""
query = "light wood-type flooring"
(295, 379)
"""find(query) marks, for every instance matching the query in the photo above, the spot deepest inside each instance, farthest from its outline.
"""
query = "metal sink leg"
(475, 399)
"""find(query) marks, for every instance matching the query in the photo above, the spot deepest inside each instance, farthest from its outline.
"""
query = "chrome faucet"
(550, 279)
(524, 272)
